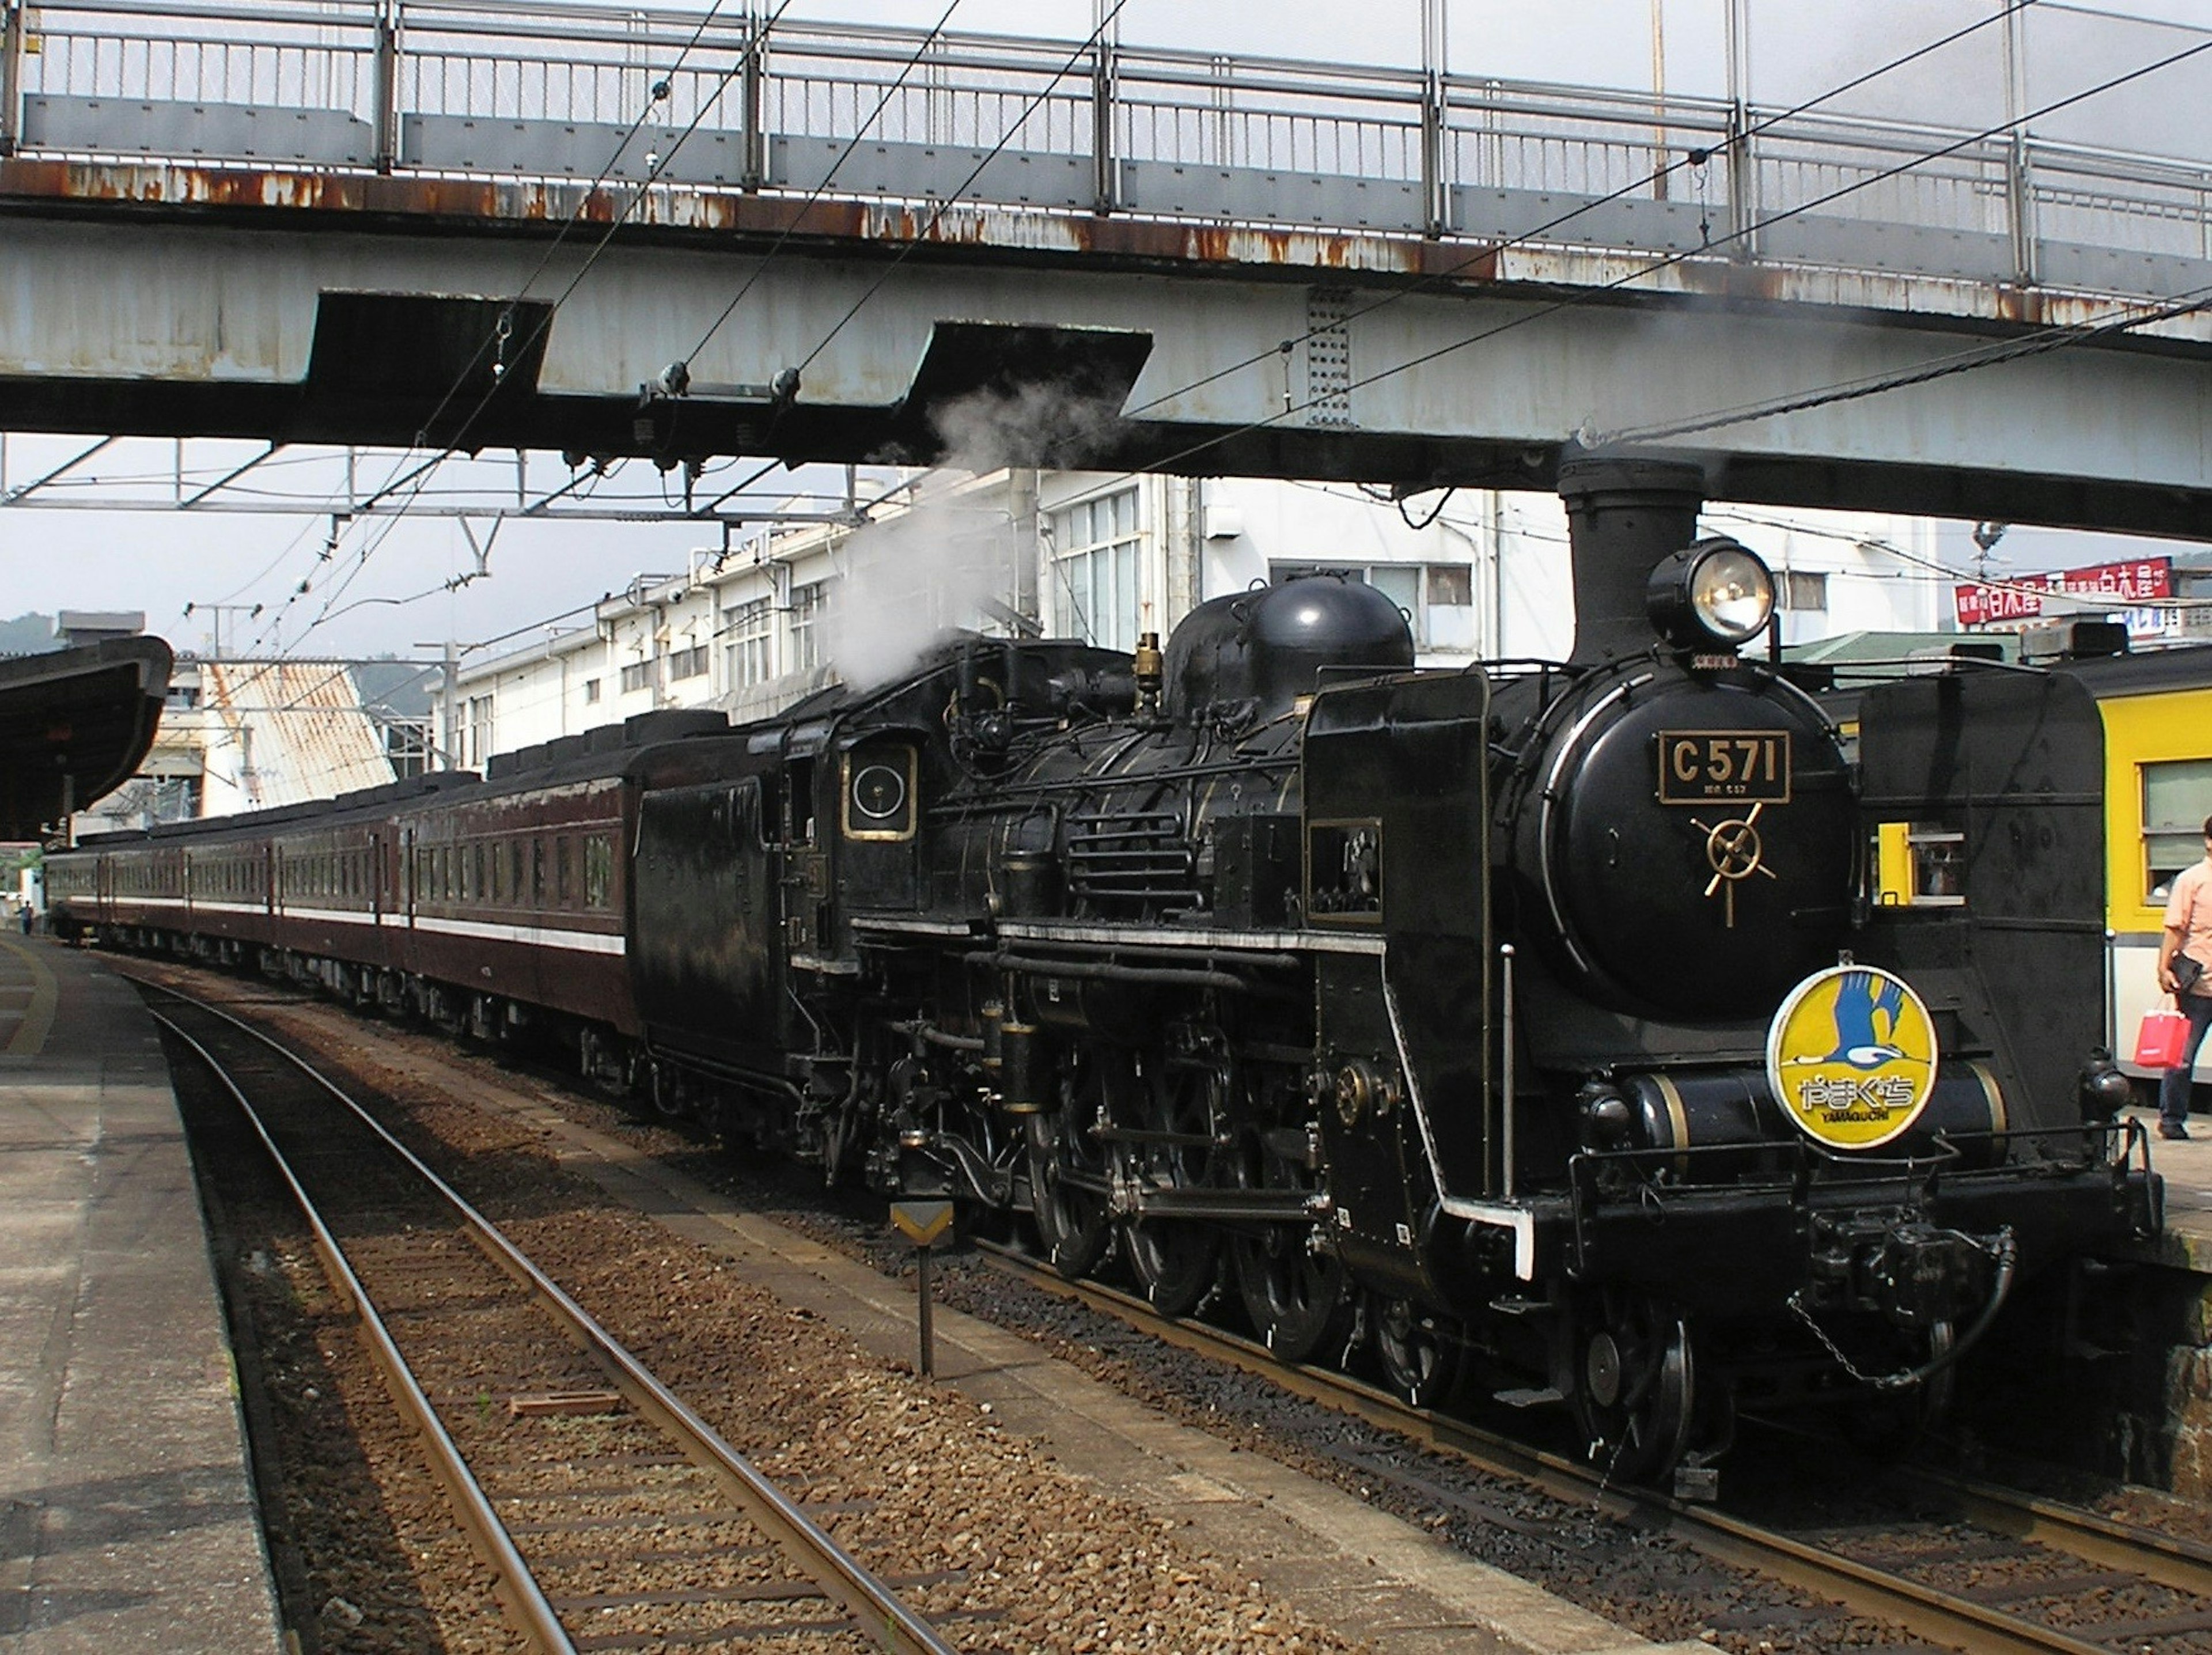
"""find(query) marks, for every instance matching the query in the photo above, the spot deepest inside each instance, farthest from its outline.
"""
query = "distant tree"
(28, 634)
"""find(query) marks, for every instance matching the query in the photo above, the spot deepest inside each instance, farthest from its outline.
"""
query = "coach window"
(517, 891)
(563, 887)
(2177, 797)
(599, 871)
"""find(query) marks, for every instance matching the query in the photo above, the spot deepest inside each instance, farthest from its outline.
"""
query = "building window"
(1801, 591)
(636, 676)
(1093, 570)
(1438, 598)
(407, 745)
(687, 663)
(749, 629)
(809, 607)
(477, 731)
(2177, 797)
(590, 692)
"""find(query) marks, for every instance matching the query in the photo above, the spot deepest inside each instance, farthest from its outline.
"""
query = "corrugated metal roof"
(296, 731)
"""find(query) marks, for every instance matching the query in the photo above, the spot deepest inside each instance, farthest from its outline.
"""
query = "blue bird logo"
(1865, 1021)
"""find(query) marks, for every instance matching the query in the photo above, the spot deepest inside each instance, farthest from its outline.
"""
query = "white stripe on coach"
(536, 936)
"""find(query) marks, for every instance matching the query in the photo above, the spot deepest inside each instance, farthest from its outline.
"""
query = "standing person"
(2184, 971)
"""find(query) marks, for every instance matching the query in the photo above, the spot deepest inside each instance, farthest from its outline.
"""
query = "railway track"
(611, 1515)
(1974, 1567)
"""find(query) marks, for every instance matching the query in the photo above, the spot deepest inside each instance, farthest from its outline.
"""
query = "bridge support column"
(1105, 94)
(387, 85)
(15, 21)
(1743, 165)
(753, 90)
(2020, 175)
(1435, 182)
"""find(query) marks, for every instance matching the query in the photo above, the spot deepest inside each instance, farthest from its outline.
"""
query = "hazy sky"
(395, 600)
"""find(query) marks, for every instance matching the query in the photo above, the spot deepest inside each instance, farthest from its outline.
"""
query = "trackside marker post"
(924, 1223)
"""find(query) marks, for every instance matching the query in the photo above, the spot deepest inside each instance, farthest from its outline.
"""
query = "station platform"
(2186, 1167)
(127, 1519)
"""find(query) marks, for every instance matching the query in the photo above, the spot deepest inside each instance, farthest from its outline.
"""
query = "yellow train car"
(2158, 790)
(2157, 708)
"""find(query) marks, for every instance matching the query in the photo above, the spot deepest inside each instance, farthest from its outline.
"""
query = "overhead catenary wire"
(1668, 261)
(799, 213)
(354, 573)
(419, 476)
(656, 94)
(956, 197)
(1632, 189)
(2041, 343)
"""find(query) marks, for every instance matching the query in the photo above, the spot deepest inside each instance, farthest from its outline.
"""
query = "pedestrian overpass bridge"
(624, 232)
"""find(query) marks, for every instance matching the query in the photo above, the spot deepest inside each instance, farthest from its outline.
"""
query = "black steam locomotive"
(1535, 1022)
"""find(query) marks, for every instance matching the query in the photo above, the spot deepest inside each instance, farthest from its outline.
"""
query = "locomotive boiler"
(1528, 1026)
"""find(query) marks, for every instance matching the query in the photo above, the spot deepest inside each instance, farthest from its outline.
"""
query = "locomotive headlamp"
(1716, 592)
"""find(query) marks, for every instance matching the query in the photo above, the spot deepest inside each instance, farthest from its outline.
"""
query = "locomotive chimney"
(1623, 516)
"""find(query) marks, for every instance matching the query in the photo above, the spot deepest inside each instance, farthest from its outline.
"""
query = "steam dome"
(1262, 649)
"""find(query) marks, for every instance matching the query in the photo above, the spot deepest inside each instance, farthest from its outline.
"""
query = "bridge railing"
(470, 88)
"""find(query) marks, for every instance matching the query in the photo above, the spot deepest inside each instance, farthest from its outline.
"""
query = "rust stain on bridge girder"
(686, 212)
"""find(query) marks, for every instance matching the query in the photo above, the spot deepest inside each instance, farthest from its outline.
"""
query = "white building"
(1481, 574)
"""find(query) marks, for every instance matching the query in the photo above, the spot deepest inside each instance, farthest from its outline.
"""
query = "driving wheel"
(1067, 1176)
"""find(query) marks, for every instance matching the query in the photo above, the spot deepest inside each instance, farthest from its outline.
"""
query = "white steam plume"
(911, 578)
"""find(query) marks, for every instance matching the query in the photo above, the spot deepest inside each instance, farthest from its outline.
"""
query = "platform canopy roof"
(74, 724)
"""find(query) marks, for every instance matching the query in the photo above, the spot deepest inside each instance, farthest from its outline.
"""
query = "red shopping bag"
(2162, 1040)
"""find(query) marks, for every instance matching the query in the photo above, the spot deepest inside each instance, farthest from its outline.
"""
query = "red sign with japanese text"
(2121, 585)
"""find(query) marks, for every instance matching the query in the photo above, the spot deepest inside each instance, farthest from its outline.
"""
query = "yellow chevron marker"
(922, 1222)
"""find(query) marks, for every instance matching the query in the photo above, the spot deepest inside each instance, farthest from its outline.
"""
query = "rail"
(874, 1607)
(1945, 1618)
(467, 89)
